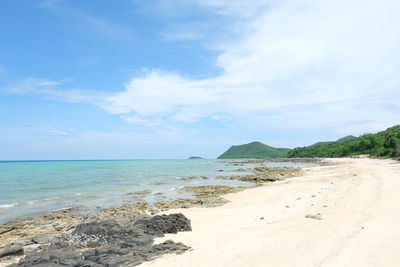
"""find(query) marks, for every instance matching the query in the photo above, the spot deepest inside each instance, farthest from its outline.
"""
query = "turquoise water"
(29, 188)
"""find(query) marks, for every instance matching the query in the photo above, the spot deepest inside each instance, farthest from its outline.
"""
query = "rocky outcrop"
(212, 191)
(108, 243)
(186, 203)
(23, 231)
(266, 174)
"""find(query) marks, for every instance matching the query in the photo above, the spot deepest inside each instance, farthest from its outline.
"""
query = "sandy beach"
(341, 215)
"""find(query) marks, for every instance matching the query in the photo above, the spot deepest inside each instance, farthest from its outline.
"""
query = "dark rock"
(14, 250)
(107, 243)
(171, 246)
(164, 224)
(96, 228)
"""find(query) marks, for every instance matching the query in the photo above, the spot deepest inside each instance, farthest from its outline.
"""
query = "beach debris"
(108, 243)
(327, 187)
(315, 216)
(313, 195)
(271, 221)
(14, 250)
(287, 207)
(299, 198)
(262, 218)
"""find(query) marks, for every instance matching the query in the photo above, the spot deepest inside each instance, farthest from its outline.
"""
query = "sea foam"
(6, 206)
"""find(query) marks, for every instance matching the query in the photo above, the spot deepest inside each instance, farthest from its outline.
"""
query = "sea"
(31, 188)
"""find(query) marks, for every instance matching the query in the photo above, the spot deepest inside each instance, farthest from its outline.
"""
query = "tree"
(389, 141)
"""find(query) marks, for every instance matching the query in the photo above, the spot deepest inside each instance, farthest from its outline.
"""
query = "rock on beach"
(108, 243)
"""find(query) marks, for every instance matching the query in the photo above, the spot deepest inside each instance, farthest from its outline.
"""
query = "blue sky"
(176, 78)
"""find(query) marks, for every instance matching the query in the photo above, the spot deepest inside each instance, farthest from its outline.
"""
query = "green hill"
(347, 138)
(382, 144)
(254, 150)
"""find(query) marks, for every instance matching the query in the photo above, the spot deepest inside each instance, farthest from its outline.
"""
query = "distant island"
(254, 150)
(194, 157)
(382, 144)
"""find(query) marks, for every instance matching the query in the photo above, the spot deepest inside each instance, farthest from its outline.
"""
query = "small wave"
(6, 206)
(31, 202)
(172, 189)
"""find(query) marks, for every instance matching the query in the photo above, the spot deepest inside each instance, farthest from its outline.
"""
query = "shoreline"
(57, 223)
(327, 216)
(134, 183)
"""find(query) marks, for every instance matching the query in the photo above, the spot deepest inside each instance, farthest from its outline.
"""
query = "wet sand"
(340, 215)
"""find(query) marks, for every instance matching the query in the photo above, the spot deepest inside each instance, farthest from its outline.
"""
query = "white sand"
(359, 202)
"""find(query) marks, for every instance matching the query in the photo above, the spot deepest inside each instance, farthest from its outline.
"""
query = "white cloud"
(243, 9)
(317, 53)
(295, 65)
(58, 131)
(33, 85)
(54, 90)
(159, 93)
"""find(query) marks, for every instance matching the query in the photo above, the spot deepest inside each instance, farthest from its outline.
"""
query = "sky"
(154, 79)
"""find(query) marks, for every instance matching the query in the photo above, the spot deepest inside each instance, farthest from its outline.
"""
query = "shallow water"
(29, 188)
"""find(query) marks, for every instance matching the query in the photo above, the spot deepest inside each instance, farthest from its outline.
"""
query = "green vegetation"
(254, 150)
(382, 144)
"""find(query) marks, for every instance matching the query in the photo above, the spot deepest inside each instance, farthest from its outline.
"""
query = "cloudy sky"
(175, 78)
